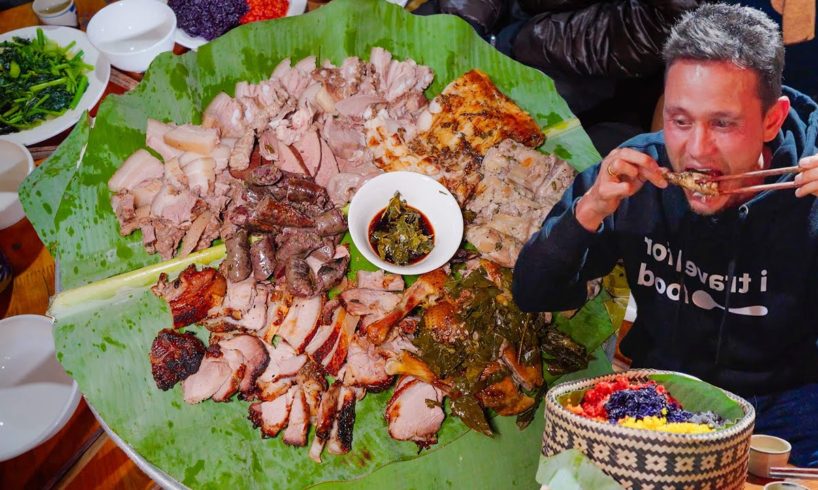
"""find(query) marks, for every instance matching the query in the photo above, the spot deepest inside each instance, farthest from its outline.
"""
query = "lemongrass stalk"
(105, 289)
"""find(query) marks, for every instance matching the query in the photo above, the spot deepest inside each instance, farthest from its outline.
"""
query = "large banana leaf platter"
(106, 316)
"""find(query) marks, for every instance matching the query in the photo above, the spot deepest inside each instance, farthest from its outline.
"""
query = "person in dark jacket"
(726, 286)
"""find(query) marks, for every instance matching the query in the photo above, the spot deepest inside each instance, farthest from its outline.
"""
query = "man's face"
(713, 122)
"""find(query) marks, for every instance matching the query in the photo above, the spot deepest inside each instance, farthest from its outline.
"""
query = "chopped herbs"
(400, 233)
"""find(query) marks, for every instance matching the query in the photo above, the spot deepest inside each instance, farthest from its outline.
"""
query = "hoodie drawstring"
(743, 212)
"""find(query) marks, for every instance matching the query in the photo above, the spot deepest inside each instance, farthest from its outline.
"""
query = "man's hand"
(621, 174)
(807, 180)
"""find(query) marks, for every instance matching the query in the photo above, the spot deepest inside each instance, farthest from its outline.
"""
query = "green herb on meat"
(39, 79)
(400, 236)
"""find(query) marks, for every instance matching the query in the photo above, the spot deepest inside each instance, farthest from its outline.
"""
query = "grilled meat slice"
(340, 440)
(415, 412)
(272, 416)
(175, 356)
(256, 359)
(366, 366)
(299, 422)
(503, 396)
(212, 374)
(193, 294)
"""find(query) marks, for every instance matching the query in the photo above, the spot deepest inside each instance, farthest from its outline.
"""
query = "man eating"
(726, 285)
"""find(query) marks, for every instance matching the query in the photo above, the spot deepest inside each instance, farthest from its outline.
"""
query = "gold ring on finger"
(611, 171)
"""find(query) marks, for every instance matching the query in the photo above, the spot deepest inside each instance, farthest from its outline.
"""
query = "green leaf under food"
(700, 396)
(177, 88)
(42, 190)
(572, 470)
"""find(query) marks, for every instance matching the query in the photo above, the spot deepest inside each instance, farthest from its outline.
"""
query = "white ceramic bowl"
(36, 396)
(421, 192)
(15, 164)
(131, 33)
(766, 452)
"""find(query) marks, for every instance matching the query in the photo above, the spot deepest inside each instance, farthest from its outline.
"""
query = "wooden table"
(81, 455)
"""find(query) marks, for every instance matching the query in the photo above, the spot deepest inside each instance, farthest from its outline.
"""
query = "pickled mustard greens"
(39, 79)
(400, 233)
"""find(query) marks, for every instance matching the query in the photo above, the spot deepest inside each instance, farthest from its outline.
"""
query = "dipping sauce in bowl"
(440, 218)
(400, 233)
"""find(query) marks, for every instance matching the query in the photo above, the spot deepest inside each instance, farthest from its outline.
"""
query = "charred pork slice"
(314, 384)
(415, 412)
(235, 360)
(256, 360)
(175, 356)
(340, 441)
(192, 295)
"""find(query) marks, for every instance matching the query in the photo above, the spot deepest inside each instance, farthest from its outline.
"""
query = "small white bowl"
(36, 396)
(421, 192)
(766, 452)
(15, 164)
(131, 33)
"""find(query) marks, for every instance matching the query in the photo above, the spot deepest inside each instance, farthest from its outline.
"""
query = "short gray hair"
(742, 35)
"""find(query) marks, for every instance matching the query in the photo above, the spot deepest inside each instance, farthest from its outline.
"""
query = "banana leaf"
(105, 321)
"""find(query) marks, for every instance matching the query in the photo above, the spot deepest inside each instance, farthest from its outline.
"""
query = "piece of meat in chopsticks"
(175, 356)
(693, 180)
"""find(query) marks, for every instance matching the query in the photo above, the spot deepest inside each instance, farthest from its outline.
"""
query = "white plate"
(422, 193)
(97, 81)
(297, 7)
(36, 396)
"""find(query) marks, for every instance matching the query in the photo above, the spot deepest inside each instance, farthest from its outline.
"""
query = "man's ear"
(775, 117)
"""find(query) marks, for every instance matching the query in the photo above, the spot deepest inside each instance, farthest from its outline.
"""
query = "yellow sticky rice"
(662, 425)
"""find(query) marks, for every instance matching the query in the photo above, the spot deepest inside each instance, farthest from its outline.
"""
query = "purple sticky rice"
(641, 403)
(208, 18)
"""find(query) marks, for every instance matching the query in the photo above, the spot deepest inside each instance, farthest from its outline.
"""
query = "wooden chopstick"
(758, 173)
(792, 472)
(760, 188)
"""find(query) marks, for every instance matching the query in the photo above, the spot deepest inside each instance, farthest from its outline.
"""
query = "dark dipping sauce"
(401, 234)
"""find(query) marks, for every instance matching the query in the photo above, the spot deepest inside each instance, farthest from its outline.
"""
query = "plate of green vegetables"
(49, 76)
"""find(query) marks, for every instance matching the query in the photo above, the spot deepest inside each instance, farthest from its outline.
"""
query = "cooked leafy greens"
(484, 340)
(399, 234)
(38, 79)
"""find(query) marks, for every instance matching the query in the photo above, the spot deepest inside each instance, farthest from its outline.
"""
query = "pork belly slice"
(360, 301)
(204, 383)
(155, 139)
(256, 360)
(197, 139)
(235, 360)
(224, 113)
(272, 416)
(173, 205)
(410, 417)
(137, 168)
(301, 322)
(193, 294)
(299, 421)
(174, 356)
(379, 280)
(365, 366)
(428, 287)
(340, 440)
(201, 175)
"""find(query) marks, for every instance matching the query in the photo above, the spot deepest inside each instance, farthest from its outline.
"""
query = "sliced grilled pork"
(365, 366)
(271, 416)
(277, 309)
(235, 360)
(334, 362)
(314, 384)
(301, 322)
(410, 415)
(340, 440)
(201, 385)
(193, 294)
(380, 281)
(256, 360)
(361, 301)
(174, 356)
(283, 363)
(299, 421)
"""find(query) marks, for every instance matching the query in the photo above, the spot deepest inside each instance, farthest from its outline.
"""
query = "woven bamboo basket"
(651, 460)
